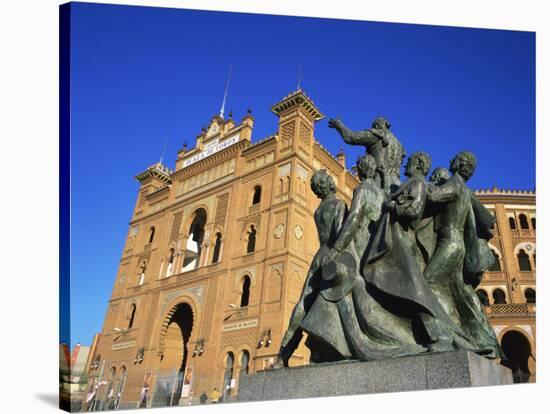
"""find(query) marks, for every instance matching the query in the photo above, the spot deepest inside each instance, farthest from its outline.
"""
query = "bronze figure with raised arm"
(382, 144)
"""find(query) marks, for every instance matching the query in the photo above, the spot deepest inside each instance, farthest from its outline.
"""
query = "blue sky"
(140, 74)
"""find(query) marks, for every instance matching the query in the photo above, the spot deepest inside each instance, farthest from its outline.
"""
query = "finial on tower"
(341, 157)
(299, 76)
(225, 93)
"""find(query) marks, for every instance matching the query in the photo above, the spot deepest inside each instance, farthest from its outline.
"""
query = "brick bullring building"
(508, 289)
(217, 253)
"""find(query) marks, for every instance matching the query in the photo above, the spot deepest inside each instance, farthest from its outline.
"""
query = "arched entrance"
(517, 350)
(175, 346)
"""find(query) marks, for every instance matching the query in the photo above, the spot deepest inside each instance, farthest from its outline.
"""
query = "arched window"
(194, 242)
(132, 315)
(151, 234)
(217, 248)
(281, 185)
(244, 362)
(512, 222)
(530, 295)
(523, 261)
(245, 292)
(251, 244)
(228, 374)
(142, 270)
(533, 223)
(523, 224)
(257, 195)
(499, 296)
(483, 297)
(170, 266)
(495, 267)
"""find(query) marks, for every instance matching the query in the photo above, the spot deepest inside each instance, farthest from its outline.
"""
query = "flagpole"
(225, 93)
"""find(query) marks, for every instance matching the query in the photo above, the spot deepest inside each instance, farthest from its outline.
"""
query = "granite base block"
(421, 372)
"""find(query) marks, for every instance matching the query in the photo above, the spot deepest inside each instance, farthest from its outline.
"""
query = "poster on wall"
(187, 382)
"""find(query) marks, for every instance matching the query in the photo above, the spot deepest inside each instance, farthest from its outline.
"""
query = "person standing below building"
(215, 396)
(145, 395)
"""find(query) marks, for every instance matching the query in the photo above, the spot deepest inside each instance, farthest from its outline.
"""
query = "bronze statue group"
(395, 274)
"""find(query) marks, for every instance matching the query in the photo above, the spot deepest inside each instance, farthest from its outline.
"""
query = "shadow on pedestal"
(422, 372)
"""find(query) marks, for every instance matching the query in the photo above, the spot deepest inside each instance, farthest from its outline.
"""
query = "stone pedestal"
(421, 372)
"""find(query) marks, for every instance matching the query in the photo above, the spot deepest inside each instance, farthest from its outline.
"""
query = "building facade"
(215, 260)
(73, 374)
(508, 289)
(217, 253)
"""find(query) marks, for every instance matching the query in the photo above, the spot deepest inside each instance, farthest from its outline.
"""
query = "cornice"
(495, 191)
(328, 156)
(156, 171)
(297, 99)
(259, 146)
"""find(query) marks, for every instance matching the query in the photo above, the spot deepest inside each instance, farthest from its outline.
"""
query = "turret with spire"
(297, 115)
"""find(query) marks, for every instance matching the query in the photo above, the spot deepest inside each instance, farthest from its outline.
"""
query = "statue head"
(464, 163)
(366, 166)
(381, 123)
(322, 184)
(440, 176)
(418, 163)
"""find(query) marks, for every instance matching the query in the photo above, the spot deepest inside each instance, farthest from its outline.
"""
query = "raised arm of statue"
(352, 221)
(365, 137)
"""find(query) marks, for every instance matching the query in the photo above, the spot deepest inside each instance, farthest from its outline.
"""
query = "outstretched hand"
(335, 123)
